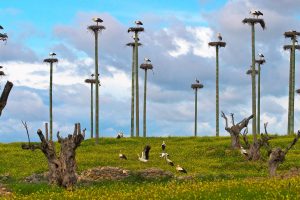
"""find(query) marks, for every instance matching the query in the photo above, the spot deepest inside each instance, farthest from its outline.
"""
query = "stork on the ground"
(120, 135)
(180, 169)
(138, 23)
(170, 162)
(163, 155)
(163, 146)
(52, 54)
(219, 37)
(256, 13)
(142, 158)
(97, 20)
(122, 156)
(147, 151)
(244, 151)
(147, 60)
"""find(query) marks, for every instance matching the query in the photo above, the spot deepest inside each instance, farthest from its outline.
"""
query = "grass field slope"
(218, 172)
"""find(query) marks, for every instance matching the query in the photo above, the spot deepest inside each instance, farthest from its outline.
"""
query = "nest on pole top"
(135, 29)
(51, 60)
(146, 66)
(219, 44)
(249, 72)
(291, 34)
(197, 86)
(260, 61)
(96, 28)
(251, 21)
(287, 47)
(298, 91)
(132, 44)
(92, 81)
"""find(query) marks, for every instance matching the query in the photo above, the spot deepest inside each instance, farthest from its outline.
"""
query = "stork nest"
(255, 21)
(96, 28)
(132, 44)
(135, 29)
(51, 60)
(262, 61)
(146, 66)
(286, 47)
(2, 73)
(3, 36)
(92, 81)
(217, 44)
(249, 72)
(291, 34)
(197, 86)
(298, 91)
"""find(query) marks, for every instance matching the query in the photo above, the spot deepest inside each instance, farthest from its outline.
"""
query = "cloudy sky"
(175, 38)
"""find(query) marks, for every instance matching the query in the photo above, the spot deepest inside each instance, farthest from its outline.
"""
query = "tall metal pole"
(50, 102)
(290, 93)
(293, 86)
(217, 90)
(132, 92)
(92, 109)
(253, 83)
(195, 133)
(145, 99)
(258, 100)
(136, 86)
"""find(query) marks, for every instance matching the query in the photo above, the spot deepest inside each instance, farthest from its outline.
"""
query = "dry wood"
(235, 129)
(4, 95)
(62, 168)
(277, 155)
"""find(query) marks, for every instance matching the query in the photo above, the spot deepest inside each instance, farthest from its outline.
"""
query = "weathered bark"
(4, 95)
(277, 156)
(254, 149)
(62, 168)
(235, 130)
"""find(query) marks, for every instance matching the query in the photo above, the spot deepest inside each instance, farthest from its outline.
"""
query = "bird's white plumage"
(138, 23)
(219, 36)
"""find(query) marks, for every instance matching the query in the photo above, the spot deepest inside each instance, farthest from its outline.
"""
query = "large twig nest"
(251, 21)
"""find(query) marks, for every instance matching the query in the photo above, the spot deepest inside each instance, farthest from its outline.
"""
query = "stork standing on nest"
(97, 20)
(147, 60)
(256, 13)
(219, 37)
(180, 169)
(138, 23)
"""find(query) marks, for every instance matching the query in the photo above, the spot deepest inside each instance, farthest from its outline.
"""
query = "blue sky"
(176, 37)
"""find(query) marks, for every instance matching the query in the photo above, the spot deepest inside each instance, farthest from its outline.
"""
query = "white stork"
(219, 36)
(138, 23)
(147, 60)
(180, 169)
(97, 20)
(243, 151)
(163, 155)
(256, 13)
(142, 158)
(52, 54)
(170, 162)
(261, 55)
(163, 146)
(122, 156)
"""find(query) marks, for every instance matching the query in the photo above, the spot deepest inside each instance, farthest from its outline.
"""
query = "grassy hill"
(219, 171)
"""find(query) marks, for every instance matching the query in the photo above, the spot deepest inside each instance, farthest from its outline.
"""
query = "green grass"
(220, 173)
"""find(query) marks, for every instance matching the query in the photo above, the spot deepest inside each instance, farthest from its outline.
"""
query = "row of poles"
(292, 34)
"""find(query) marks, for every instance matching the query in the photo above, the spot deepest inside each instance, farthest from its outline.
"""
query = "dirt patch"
(155, 173)
(37, 178)
(104, 173)
(4, 191)
(291, 173)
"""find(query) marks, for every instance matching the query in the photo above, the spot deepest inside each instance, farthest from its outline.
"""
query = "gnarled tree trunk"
(235, 130)
(62, 168)
(4, 95)
(277, 156)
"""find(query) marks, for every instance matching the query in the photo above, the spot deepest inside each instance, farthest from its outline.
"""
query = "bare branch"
(59, 139)
(226, 121)
(232, 118)
(26, 127)
(265, 126)
(293, 143)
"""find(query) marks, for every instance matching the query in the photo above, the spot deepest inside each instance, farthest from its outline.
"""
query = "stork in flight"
(219, 36)
(97, 20)
(138, 23)
(142, 158)
(256, 13)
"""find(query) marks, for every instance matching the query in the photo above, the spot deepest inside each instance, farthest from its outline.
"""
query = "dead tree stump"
(277, 156)
(254, 149)
(62, 168)
(235, 129)
(4, 95)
